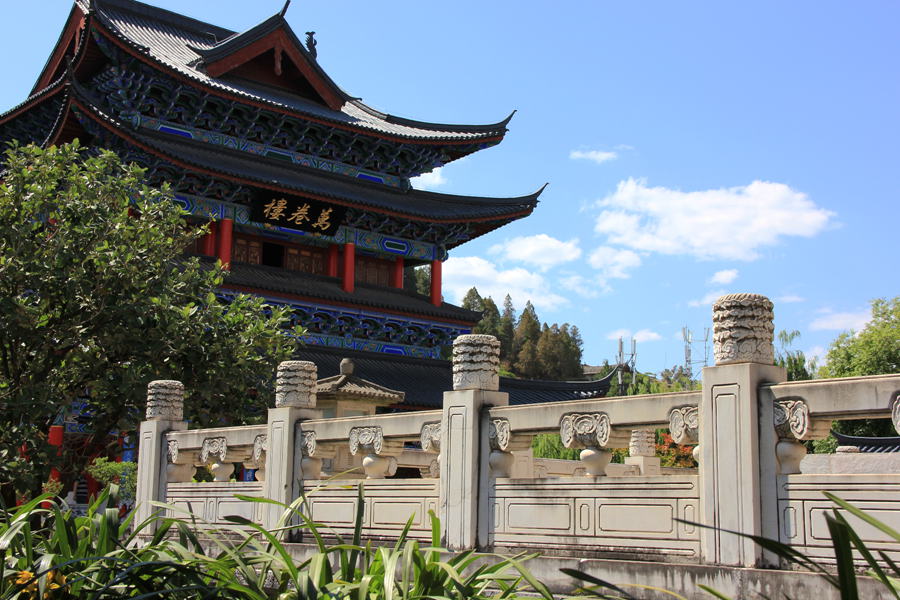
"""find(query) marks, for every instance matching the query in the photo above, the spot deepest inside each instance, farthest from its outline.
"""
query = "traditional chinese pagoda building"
(306, 188)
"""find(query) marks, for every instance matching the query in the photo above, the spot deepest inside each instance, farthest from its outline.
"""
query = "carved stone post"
(737, 460)
(295, 399)
(380, 458)
(642, 452)
(165, 412)
(430, 438)
(594, 433)
(465, 476)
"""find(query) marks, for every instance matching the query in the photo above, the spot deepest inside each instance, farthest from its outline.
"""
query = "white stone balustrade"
(747, 424)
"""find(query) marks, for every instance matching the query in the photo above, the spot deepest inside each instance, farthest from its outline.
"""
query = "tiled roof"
(354, 386)
(415, 203)
(425, 380)
(279, 280)
(869, 444)
(177, 42)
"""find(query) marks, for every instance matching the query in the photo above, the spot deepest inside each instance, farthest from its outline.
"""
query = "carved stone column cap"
(260, 447)
(165, 400)
(430, 437)
(295, 384)
(895, 412)
(684, 423)
(591, 430)
(793, 421)
(476, 362)
(370, 440)
(743, 329)
(213, 448)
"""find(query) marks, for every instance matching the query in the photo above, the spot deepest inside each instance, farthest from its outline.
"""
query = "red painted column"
(224, 239)
(436, 297)
(333, 255)
(208, 241)
(397, 279)
(349, 267)
(55, 438)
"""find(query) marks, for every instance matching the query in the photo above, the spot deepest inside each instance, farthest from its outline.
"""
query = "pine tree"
(528, 329)
(507, 330)
(527, 364)
(490, 319)
(473, 301)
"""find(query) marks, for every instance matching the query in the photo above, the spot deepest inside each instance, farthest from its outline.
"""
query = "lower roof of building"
(278, 281)
(425, 380)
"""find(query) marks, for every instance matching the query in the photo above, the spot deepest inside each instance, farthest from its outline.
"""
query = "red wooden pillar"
(208, 241)
(397, 275)
(349, 267)
(436, 296)
(224, 238)
(55, 438)
(333, 253)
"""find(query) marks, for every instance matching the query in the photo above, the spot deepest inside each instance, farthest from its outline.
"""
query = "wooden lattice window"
(308, 260)
(375, 271)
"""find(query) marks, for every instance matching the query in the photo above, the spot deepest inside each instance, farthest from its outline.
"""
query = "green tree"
(490, 318)
(527, 364)
(873, 351)
(95, 296)
(507, 330)
(528, 328)
(794, 361)
(423, 280)
(473, 301)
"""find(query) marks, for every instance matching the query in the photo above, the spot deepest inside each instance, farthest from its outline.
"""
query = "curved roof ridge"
(155, 12)
(178, 50)
(498, 127)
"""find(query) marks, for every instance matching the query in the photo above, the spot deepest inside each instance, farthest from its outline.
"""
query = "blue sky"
(691, 148)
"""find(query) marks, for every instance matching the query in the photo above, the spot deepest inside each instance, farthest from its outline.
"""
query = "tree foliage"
(96, 300)
(873, 351)
(528, 348)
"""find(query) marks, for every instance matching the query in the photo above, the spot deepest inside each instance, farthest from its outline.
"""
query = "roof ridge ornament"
(284, 9)
(311, 43)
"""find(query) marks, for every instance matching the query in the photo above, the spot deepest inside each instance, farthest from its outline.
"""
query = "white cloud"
(597, 156)
(843, 321)
(539, 250)
(582, 286)
(429, 181)
(643, 335)
(728, 223)
(461, 273)
(613, 263)
(724, 277)
(708, 299)
(790, 299)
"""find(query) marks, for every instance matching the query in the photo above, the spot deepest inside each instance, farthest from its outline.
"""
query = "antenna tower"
(622, 361)
(689, 363)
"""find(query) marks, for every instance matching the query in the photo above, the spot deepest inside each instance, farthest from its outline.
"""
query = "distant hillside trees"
(528, 349)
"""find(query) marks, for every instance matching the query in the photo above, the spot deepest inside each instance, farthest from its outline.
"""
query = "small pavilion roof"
(188, 47)
(346, 384)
